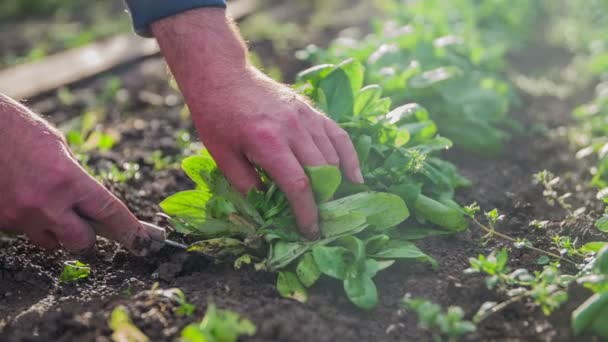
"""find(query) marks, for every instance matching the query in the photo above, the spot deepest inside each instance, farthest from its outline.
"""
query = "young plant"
(546, 288)
(445, 326)
(123, 328)
(218, 326)
(548, 180)
(358, 234)
(74, 271)
(359, 229)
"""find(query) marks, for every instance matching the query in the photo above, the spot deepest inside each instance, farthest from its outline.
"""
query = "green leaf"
(602, 223)
(289, 286)
(331, 261)
(190, 206)
(591, 316)
(395, 249)
(218, 326)
(372, 267)
(352, 223)
(366, 101)
(315, 73)
(361, 291)
(123, 328)
(284, 253)
(383, 210)
(324, 181)
(355, 72)
(338, 95)
(307, 270)
(600, 265)
(74, 271)
(200, 169)
(439, 213)
(374, 243)
(593, 246)
(363, 147)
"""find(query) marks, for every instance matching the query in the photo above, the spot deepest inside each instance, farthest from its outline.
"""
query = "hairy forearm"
(203, 50)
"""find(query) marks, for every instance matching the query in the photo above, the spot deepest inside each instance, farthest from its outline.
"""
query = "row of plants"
(584, 32)
(409, 189)
(448, 56)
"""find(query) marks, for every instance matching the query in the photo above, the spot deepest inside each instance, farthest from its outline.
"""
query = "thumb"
(110, 218)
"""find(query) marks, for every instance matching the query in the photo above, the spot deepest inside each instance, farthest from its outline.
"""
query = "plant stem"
(498, 307)
(507, 237)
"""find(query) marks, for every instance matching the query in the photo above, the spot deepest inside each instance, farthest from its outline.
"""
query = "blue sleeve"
(145, 12)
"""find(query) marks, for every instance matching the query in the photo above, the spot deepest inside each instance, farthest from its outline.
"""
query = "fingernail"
(358, 176)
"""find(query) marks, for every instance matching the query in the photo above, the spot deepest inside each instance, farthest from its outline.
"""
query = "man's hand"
(47, 195)
(244, 118)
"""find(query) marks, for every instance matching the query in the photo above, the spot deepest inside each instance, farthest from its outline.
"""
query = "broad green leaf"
(307, 270)
(338, 94)
(363, 146)
(331, 261)
(324, 181)
(593, 246)
(591, 316)
(289, 286)
(199, 169)
(366, 101)
(395, 249)
(372, 267)
(383, 210)
(355, 72)
(352, 222)
(284, 253)
(439, 214)
(362, 291)
(190, 206)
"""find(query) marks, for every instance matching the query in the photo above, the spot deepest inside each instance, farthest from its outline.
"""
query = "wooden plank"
(31, 79)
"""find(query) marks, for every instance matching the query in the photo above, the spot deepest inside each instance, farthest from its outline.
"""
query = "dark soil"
(35, 307)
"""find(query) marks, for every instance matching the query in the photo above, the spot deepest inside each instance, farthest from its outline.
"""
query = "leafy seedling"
(448, 325)
(74, 271)
(218, 326)
(123, 328)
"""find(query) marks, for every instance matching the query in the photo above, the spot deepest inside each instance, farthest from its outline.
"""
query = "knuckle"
(265, 133)
(340, 134)
(298, 185)
(292, 119)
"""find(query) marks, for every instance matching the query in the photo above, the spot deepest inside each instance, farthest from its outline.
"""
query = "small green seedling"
(547, 288)
(218, 326)
(448, 325)
(74, 271)
(123, 328)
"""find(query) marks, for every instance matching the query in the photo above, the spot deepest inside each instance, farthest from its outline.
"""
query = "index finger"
(110, 217)
(285, 169)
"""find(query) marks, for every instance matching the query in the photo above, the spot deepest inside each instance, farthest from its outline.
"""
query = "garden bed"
(34, 306)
